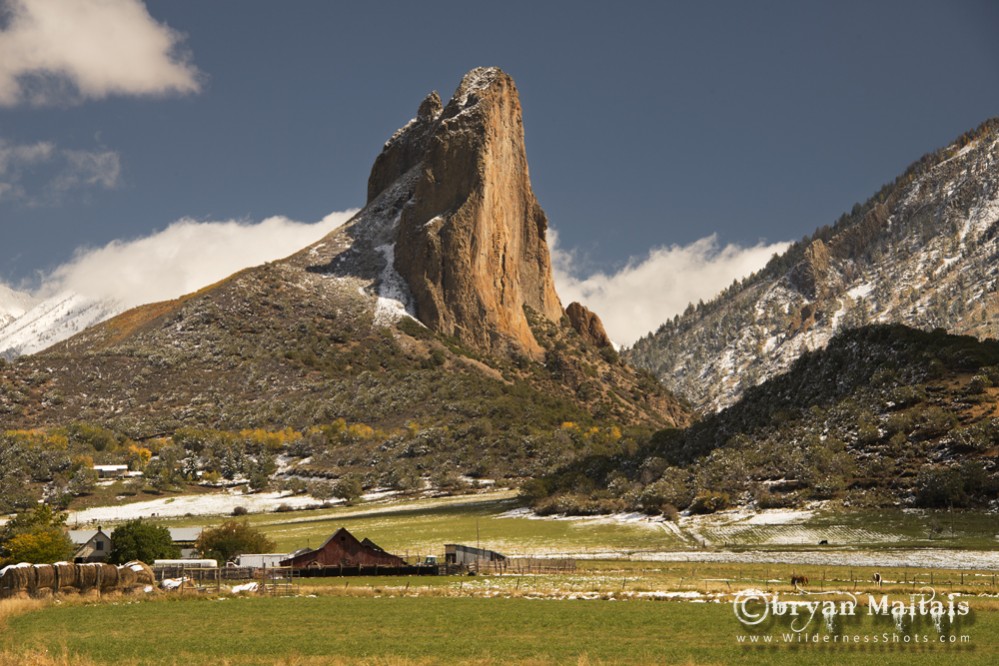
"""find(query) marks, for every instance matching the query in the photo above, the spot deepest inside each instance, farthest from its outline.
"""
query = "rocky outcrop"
(406, 148)
(470, 242)
(811, 274)
(587, 324)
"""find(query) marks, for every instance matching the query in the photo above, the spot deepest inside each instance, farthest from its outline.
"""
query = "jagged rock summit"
(470, 237)
(452, 236)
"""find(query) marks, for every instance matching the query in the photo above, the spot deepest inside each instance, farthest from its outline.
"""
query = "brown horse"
(798, 581)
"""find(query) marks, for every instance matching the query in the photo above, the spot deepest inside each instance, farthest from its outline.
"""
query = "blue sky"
(648, 124)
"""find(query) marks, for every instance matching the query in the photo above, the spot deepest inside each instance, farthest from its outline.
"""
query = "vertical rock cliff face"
(470, 242)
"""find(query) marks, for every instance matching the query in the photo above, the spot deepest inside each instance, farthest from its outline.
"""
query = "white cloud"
(183, 258)
(646, 292)
(89, 169)
(42, 172)
(17, 157)
(58, 51)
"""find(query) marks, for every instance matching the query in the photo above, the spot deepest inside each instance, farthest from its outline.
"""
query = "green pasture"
(454, 630)
(422, 526)
(626, 579)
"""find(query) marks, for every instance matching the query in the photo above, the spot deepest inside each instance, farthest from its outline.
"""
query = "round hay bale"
(127, 578)
(10, 581)
(144, 574)
(45, 577)
(67, 575)
(109, 576)
(30, 577)
(86, 576)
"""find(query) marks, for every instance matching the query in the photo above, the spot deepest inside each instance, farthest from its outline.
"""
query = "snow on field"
(738, 518)
(779, 517)
(213, 504)
(640, 519)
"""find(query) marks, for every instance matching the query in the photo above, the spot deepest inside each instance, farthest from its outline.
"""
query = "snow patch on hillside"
(394, 300)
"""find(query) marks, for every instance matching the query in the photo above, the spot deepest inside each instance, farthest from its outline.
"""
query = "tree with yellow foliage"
(36, 536)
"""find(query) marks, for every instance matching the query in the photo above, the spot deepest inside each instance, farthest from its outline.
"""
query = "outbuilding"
(90, 546)
(456, 553)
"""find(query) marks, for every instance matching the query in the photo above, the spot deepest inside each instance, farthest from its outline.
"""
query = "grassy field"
(624, 580)
(616, 608)
(422, 526)
(456, 630)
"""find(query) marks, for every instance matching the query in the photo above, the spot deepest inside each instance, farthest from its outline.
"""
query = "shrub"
(610, 355)
(709, 502)
(978, 384)
(767, 499)
(576, 505)
(240, 511)
(941, 488)
(674, 488)
(348, 489)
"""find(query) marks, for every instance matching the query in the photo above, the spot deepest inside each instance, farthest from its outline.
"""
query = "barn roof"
(343, 546)
(185, 533)
(342, 531)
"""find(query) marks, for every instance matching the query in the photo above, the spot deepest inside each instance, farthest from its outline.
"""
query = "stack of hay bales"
(36, 580)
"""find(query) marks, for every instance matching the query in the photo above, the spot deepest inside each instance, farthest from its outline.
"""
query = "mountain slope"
(484, 366)
(923, 252)
(884, 415)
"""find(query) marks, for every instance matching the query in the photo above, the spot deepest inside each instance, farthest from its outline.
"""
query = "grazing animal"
(824, 542)
(797, 581)
(877, 579)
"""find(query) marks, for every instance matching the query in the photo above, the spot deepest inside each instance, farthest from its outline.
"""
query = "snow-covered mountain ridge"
(52, 320)
(921, 252)
(13, 304)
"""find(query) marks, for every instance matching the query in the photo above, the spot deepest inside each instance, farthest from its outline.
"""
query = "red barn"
(343, 549)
